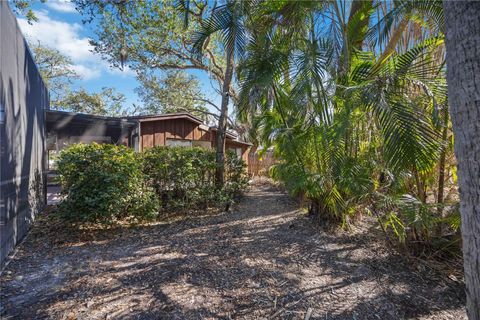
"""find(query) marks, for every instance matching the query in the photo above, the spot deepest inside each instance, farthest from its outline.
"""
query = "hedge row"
(105, 183)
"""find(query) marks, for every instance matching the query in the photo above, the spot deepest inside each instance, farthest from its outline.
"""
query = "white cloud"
(126, 72)
(86, 73)
(61, 6)
(66, 38)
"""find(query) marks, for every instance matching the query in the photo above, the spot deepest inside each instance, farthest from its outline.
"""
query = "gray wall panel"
(22, 134)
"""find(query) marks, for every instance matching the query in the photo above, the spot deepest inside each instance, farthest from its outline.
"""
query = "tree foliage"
(151, 35)
(350, 95)
(56, 69)
(107, 102)
(24, 7)
(174, 91)
(58, 73)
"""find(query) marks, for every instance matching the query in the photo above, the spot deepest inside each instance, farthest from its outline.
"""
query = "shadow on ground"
(264, 260)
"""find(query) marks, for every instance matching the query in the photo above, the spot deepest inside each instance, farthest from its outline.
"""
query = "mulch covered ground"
(264, 260)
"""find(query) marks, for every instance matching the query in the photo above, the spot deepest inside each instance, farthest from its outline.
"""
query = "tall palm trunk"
(222, 122)
(462, 22)
(441, 167)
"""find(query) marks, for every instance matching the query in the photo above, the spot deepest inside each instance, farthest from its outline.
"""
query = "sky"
(60, 26)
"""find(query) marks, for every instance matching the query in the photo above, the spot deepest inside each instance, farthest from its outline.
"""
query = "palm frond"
(228, 20)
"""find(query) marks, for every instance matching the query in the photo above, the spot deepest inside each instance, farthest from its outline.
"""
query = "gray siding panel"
(24, 98)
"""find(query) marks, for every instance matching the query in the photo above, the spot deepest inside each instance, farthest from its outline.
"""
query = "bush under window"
(104, 183)
(184, 178)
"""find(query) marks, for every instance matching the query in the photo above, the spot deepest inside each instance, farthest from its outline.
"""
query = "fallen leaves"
(247, 264)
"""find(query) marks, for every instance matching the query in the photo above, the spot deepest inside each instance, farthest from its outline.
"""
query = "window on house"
(178, 143)
(202, 144)
(237, 151)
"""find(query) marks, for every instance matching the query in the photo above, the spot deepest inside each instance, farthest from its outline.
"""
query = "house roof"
(229, 135)
(232, 137)
(235, 141)
(60, 118)
(167, 116)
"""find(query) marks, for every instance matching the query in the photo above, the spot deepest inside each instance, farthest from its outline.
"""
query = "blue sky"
(60, 26)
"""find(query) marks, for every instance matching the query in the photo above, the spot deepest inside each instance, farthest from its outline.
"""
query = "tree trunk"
(420, 185)
(222, 122)
(441, 169)
(462, 22)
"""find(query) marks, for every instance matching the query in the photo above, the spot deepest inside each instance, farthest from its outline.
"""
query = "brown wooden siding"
(155, 133)
(169, 127)
(188, 129)
(147, 135)
(202, 134)
(159, 133)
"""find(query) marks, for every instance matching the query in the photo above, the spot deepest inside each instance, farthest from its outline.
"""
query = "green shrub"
(184, 178)
(104, 183)
(236, 179)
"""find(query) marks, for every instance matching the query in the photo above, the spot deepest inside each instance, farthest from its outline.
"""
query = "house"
(182, 129)
(138, 132)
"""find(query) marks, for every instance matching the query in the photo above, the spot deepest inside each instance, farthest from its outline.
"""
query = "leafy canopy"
(174, 91)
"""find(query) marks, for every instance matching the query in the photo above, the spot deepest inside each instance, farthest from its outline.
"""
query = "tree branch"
(208, 102)
(216, 116)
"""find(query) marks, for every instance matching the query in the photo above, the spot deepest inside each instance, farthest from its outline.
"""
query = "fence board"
(260, 165)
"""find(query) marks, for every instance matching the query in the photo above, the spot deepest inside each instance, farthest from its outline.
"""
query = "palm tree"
(314, 97)
(463, 47)
(228, 22)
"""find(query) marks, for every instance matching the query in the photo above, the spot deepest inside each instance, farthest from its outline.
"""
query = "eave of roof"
(232, 137)
(228, 134)
(240, 142)
(55, 115)
(167, 116)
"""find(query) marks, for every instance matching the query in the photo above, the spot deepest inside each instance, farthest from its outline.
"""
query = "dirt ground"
(263, 260)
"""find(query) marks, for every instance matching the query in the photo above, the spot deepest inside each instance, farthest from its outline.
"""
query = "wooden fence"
(260, 165)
